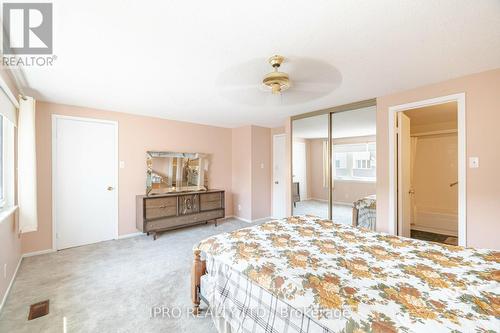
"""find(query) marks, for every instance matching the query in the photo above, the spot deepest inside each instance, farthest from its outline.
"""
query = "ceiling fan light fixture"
(275, 88)
(276, 81)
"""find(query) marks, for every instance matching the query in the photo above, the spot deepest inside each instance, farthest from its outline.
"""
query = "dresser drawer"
(209, 201)
(171, 223)
(188, 204)
(161, 207)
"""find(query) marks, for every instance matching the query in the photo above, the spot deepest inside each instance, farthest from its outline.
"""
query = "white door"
(404, 184)
(84, 181)
(299, 168)
(279, 176)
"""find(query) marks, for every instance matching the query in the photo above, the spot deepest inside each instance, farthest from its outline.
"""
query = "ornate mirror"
(176, 172)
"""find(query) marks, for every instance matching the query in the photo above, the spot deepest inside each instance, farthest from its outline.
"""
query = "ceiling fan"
(277, 81)
(296, 80)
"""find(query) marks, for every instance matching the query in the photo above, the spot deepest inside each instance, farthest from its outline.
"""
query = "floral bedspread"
(387, 283)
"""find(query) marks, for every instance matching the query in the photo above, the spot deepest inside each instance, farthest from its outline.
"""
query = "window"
(340, 160)
(6, 163)
(355, 161)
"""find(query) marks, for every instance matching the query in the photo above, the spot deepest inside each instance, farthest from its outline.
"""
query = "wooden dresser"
(162, 212)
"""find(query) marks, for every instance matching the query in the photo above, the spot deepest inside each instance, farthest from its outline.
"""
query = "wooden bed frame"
(354, 216)
(198, 270)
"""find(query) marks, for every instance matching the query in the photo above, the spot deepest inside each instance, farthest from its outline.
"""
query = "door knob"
(110, 188)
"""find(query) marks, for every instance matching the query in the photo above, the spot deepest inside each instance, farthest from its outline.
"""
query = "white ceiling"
(360, 122)
(201, 61)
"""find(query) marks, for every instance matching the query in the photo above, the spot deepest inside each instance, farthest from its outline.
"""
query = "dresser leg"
(147, 233)
(215, 222)
(154, 236)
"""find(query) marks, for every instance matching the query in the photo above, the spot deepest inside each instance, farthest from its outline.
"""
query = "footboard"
(199, 269)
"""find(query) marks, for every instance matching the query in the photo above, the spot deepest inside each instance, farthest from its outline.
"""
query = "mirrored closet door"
(334, 164)
(354, 172)
(310, 166)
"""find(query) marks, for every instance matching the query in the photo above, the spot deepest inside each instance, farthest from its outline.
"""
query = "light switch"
(122, 164)
(473, 162)
(262, 165)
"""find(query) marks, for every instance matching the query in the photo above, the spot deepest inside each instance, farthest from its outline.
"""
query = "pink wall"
(261, 172)
(315, 170)
(242, 171)
(347, 192)
(251, 149)
(10, 251)
(482, 119)
(137, 134)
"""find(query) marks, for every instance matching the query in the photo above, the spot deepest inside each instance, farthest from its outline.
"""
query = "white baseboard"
(133, 234)
(262, 219)
(335, 202)
(343, 203)
(242, 219)
(318, 199)
(37, 253)
(434, 230)
(4, 299)
(251, 221)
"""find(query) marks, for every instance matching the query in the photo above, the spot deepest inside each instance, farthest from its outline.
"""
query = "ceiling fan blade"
(242, 87)
(318, 87)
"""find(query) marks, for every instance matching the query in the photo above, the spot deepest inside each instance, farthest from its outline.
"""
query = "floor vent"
(39, 309)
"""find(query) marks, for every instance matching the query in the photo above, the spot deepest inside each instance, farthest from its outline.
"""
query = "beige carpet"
(111, 286)
(341, 213)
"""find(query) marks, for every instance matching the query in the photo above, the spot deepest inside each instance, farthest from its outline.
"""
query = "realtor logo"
(27, 28)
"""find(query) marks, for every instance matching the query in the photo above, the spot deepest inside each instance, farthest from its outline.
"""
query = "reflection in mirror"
(176, 172)
(354, 167)
(310, 166)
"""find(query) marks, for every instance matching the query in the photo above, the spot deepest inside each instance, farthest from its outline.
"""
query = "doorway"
(428, 170)
(85, 179)
(279, 176)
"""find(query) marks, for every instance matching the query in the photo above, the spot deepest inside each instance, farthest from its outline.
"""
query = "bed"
(305, 274)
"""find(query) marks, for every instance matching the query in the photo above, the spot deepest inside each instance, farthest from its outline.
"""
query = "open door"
(404, 185)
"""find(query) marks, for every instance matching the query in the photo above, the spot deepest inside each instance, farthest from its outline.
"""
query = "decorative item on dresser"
(177, 210)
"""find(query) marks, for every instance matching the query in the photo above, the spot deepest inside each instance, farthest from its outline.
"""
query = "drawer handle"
(158, 207)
